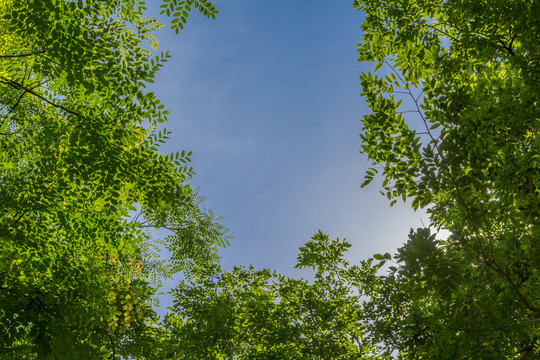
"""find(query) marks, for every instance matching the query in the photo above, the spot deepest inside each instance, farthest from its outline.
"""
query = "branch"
(20, 86)
(444, 33)
(112, 345)
(526, 352)
(508, 48)
(466, 262)
(406, 111)
(397, 92)
(19, 100)
(8, 56)
(511, 327)
(491, 263)
(10, 133)
(167, 227)
(135, 220)
(16, 104)
(17, 219)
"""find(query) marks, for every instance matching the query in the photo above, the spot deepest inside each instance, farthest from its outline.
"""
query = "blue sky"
(267, 97)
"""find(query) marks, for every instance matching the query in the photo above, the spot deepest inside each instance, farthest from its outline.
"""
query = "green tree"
(259, 314)
(454, 127)
(81, 179)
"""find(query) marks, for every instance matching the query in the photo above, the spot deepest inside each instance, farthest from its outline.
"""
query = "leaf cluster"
(82, 181)
(259, 314)
(454, 128)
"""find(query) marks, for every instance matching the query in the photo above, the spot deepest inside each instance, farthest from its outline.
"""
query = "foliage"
(81, 179)
(454, 128)
(258, 314)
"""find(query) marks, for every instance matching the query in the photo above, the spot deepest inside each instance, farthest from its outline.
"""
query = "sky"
(267, 97)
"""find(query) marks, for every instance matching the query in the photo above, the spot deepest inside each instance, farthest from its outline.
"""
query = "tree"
(454, 128)
(259, 314)
(81, 179)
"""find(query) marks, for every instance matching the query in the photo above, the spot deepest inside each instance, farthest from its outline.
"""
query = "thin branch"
(398, 75)
(20, 98)
(8, 56)
(492, 264)
(418, 97)
(20, 86)
(20, 216)
(466, 262)
(406, 111)
(512, 41)
(511, 327)
(526, 352)
(456, 49)
(488, 226)
(113, 346)
(399, 92)
(167, 227)
(16, 104)
(444, 33)
(135, 220)
(507, 48)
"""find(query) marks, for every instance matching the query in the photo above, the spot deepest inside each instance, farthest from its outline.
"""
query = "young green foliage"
(81, 180)
(454, 127)
(259, 314)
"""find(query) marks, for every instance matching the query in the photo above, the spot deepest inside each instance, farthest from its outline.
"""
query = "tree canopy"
(453, 129)
(259, 314)
(81, 179)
